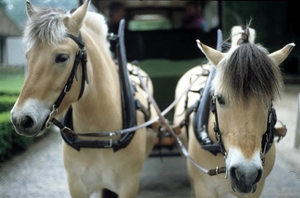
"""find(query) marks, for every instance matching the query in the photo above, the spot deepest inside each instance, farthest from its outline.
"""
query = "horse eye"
(221, 99)
(60, 58)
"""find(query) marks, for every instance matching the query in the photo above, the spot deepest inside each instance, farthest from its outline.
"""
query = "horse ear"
(74, 22)
(30, 9)
(211, 54)
(280, 55)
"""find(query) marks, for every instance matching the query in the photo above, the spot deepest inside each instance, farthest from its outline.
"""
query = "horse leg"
(76, 190)
(130, 189)
(199, 186)
(199, 190)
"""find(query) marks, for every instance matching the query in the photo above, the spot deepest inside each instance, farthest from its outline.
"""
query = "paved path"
(39, 172)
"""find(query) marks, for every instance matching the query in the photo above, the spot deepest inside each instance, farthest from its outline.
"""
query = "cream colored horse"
(50, 54)
(246, 82)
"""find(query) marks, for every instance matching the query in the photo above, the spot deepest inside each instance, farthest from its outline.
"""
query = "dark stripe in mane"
(250, 73)
(244, 36)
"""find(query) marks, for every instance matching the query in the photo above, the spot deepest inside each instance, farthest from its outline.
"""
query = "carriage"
(112, 138)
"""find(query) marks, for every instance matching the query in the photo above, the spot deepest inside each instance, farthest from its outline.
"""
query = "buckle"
(50, 117)
(68, 131)
(110, 144)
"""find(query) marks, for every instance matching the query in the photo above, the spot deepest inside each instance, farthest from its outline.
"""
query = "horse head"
(51, 56)
(246, 82)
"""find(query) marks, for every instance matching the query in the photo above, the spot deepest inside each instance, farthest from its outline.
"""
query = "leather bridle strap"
(78, 40)
(268, 136)
(216, 126)
(183, 150)
(81, 57)
(66, 88)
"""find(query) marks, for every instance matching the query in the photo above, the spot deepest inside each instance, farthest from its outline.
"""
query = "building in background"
(8, 29)
(12, 19)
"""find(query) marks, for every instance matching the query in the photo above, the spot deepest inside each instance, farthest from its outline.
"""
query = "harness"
(129, 104)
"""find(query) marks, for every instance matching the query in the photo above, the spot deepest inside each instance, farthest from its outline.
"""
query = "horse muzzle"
(244, 180)
(244, 173)
(29, 120)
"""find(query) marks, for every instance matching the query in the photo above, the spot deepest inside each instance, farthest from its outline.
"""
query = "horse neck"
(100, 105)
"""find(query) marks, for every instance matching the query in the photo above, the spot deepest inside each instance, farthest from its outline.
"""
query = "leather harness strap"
(81, 57)
(127, 91)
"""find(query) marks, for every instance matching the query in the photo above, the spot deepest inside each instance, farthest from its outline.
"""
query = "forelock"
(46, 25)
(248, 72)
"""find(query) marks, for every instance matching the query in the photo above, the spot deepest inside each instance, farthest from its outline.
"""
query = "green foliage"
(7, 102)
(20, 142)
(11, 83)
(9, 93)
(10, 141)
(5, 136)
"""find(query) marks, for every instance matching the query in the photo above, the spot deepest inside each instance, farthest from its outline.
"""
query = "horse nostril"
(258, 177)
(233, 173)
(253, 177)
(27, 122)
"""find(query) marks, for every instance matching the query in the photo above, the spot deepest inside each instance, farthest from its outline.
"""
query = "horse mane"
(249, 72)
(47, 25)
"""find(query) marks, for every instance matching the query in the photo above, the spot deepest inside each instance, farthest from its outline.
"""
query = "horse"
(71, 73)
(237, 89)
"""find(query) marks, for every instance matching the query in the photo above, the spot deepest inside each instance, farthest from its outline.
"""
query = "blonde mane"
(97, 23)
